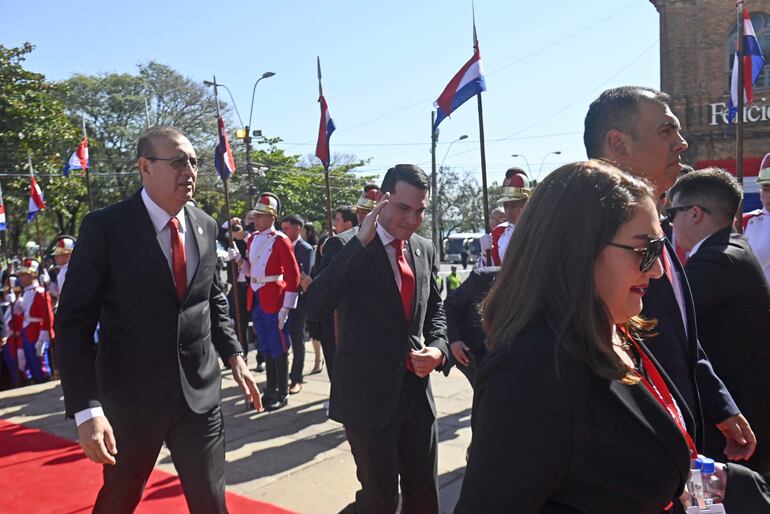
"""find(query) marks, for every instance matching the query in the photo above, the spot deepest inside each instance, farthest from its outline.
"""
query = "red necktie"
(407, 287)
(178, 259)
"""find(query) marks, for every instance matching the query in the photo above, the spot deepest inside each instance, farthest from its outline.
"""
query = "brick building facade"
(697, 44)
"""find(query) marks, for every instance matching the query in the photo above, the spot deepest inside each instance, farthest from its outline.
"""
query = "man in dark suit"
(144, 269)
(463, 319)
(346, 227)
(392, 334)
(291, 225)
(731, 296)
(634, 128)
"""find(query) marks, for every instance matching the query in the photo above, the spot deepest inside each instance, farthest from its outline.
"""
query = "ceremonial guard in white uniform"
(274, 277)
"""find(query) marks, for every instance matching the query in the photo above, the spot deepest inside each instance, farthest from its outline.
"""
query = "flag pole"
(88, 171)
(37, 223)
(739, 126)
(434, 183)
(485, 192)
(3, 240)
(233, 269)
(326, 165)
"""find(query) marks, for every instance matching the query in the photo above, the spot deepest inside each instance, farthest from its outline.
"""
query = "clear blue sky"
(383, 62)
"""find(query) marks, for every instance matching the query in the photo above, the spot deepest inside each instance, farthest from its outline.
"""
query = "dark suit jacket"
(150, 345)
(303, 252)
(462, 309)
(375, 338)
(681, 355)
(567, 441)
(732, 303)
(333, 245)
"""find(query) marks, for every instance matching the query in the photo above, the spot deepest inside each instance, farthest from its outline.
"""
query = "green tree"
(116, 108)
(33, 123)
(461, 207)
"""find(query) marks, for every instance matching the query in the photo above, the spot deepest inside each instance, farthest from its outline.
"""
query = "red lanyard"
(659, 390)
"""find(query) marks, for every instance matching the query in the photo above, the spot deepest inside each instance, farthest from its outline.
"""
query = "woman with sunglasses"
(571, 414)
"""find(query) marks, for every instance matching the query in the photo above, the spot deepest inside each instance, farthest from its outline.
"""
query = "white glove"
(21, 361)
(283, 315)
(234, 255)
(40, 348)
(44, 277)
(486, 242)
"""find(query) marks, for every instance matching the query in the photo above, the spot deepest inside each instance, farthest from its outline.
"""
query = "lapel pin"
(200, 231)
(417, 252)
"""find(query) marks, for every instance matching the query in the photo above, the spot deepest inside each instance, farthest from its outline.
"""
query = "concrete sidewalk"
(296, 457)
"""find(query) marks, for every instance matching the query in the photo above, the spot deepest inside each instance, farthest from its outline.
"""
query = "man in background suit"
(291, 225)
(392, 334)
(145, 269)
(731, 297)
(634, 128)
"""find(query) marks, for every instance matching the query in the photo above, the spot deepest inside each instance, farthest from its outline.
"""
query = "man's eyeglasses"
(649, 253)
(672, 211)
(178, 163)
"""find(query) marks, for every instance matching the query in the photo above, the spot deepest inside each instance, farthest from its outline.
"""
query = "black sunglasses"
(672, 211)
(178, 163)
(649, 253)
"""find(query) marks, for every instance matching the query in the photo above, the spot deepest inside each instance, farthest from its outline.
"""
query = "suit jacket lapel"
(200, 241)
(648, 411)
(421, 272)
(148, 238)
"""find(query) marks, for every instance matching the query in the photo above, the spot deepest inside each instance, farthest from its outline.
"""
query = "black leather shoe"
(260, 367)
(277, 403)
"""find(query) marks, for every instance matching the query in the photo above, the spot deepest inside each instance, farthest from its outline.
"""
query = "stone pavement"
(296, 457)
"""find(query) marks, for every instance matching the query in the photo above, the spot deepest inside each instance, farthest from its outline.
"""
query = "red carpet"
(44, 474)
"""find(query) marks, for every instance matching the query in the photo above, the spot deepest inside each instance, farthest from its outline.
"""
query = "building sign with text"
(755, 113)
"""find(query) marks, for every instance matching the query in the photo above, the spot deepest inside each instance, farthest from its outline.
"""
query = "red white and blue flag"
(2, 212)
(467, 83)
(36, 201)
(753, 62)
(324, 133)
(223, 155)
(78, 159)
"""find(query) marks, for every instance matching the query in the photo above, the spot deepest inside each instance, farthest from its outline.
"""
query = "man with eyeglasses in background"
(153, 287)
(731, 297)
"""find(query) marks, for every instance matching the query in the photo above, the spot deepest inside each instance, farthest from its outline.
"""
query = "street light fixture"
(436, 236)
(529, 170)
(539, 171)
(464, 136)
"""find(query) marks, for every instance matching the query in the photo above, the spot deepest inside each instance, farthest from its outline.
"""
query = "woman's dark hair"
(548, 272)
(312, 237)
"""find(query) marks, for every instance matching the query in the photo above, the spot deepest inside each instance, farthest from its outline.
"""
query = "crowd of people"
(615, 331)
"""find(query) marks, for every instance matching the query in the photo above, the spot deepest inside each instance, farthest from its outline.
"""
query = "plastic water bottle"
(713, 487)
(695, 482)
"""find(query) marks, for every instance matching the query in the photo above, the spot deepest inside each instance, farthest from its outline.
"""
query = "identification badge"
(716, 508)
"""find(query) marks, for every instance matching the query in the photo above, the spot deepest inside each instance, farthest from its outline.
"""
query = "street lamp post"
(247, 138)
(529, 170)
(436, 197)
(540, 170)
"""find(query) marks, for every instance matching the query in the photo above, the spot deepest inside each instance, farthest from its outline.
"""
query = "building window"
(761, 23)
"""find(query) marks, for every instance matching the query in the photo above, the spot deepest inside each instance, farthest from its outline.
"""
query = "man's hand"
(234, 255)
(305, 281)
(425, 360)
(458, 349)
(3, 341)
(97, 440)
(486, 242)
(741, 441)
(245, 381)
(368, 228)
(283, 315)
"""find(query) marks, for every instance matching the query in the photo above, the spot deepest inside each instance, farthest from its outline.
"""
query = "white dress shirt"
(758, 234)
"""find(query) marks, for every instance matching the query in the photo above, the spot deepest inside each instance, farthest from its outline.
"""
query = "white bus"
(454, 244)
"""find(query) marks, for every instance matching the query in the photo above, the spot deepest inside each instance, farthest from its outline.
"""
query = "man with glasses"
(153, 288)
(634, 128)
(731, 296)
